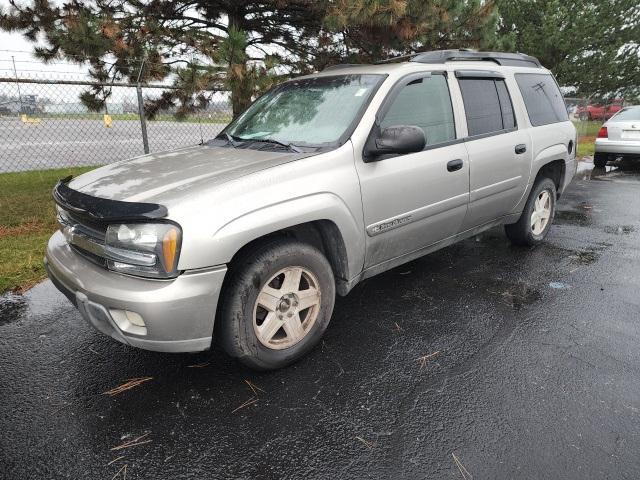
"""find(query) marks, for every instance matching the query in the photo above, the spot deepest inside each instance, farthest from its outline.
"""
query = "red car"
(597, 111)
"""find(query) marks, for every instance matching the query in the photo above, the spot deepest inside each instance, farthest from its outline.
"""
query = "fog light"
(130, 322)
(134, 318)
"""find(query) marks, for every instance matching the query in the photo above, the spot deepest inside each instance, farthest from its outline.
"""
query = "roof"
(462, 55)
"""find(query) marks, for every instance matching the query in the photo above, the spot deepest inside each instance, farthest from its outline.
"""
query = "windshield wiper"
(229, 138)
(289, 146)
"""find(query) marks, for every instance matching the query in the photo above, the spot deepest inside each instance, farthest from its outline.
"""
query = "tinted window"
(508, 119)
(481, 105)
(542, 98)
(424, 103)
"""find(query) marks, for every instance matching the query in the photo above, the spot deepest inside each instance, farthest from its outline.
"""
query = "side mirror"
(397, 139)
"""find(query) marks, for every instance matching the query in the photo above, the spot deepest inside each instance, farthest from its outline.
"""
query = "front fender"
(232, 236)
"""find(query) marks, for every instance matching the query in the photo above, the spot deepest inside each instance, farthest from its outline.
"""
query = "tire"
(246, 327)
(523, 232)
(600, 160)
(585, 116)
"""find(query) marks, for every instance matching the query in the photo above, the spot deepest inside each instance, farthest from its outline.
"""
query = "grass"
(587, 132)
(27, 220)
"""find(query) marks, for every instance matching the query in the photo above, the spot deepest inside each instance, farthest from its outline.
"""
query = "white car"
(619, 137)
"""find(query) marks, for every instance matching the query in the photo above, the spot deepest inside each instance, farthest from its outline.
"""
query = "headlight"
(145, 249)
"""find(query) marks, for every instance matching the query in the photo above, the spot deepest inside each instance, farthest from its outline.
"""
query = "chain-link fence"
(588, 115)
(44, 124)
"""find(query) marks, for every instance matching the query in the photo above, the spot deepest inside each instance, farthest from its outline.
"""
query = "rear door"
(499, 153)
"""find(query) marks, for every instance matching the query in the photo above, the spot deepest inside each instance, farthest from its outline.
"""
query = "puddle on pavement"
(516, 295)
(619, 229)
(572, 217)
(12, 307)
(585, 257)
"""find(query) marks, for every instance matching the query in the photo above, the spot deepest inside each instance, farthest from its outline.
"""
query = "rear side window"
(425, 103)
(487, 105)
(542, 98)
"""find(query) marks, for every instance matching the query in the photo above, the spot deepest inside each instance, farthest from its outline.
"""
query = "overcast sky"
(14, 45)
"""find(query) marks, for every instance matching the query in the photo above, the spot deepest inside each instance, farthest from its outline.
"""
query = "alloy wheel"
(286, 308)
(541, 213)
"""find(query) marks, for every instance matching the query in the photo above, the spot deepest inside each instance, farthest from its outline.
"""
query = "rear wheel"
(600, 160)
(585, 116)
(537, 216)
(277, 304)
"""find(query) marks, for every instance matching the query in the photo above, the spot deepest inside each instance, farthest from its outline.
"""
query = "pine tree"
(371, 30)
(206, 43)
(241, 45)
(590, 45)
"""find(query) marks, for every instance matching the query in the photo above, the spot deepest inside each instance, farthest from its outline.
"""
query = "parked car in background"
(324, 181)
(598, 111)
(619, 137)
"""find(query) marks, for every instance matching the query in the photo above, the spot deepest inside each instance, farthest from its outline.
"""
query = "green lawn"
(587, 132)
(27, 220)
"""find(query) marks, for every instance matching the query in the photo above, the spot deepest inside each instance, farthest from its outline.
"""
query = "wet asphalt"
(483, 358)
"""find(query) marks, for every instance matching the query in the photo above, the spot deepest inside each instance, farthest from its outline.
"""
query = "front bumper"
(618, 147)
(178, 314)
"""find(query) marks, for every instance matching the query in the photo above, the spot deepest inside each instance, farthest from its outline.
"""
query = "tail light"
(602, 133)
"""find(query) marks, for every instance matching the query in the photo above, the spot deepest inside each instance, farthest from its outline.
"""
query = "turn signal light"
(169, 249)
(602, 133)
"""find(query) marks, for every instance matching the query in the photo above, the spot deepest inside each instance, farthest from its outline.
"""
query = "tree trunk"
(239, 80)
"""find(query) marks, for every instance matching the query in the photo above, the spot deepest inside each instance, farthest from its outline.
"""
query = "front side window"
(542, 98)
(309, 112)
(424, 103)
(487, 105)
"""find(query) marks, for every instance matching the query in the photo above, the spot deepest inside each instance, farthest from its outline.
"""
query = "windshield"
(308, 112)
(632, 113)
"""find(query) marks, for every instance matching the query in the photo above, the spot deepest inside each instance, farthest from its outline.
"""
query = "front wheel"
(276, 305)
(537, 216)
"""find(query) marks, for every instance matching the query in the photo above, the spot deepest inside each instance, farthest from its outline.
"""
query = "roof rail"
(442, 56)
(342, 65)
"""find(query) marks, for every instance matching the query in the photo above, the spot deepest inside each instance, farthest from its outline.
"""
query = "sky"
(15, 45)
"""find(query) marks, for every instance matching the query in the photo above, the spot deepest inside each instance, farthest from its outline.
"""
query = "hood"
(160, 175)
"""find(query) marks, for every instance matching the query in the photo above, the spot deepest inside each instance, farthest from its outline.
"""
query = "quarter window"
(542, 98)
(487, 105)
(424, 103)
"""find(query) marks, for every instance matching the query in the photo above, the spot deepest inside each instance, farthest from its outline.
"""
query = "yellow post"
(108, 122)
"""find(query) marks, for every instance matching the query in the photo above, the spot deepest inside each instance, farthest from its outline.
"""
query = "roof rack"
(442, 56)
(342, 65)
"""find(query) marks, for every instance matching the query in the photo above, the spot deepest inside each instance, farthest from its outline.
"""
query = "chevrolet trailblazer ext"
(324, 181)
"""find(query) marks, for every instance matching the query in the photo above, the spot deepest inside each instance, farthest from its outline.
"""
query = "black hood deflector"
(104, 209)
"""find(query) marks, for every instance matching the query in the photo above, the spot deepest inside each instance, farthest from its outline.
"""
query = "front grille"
(87, 238)
(100, 261)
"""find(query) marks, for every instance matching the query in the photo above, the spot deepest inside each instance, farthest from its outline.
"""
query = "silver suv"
(324, 181)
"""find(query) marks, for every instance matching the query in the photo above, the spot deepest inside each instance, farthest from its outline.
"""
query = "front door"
(414, 200)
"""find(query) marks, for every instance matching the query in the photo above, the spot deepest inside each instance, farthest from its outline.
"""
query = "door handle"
(521, 148)
(454, 165)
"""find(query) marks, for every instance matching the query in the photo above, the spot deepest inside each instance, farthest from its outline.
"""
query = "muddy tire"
(276, 304)
(600, 160)
(537, 216)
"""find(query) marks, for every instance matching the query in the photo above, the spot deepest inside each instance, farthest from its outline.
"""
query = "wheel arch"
(322, 220)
